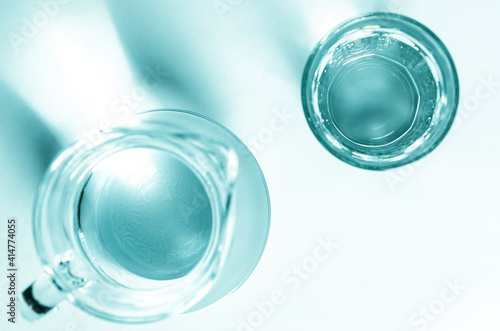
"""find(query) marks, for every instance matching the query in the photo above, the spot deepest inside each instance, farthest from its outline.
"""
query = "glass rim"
(64, 165)
(431, 44)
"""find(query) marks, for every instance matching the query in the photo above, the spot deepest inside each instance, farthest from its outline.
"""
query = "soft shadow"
(152, 34)
(25, 138)
(286, 29)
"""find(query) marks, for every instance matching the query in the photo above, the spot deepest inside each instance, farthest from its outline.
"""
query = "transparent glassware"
(380, 91)
(166, 214)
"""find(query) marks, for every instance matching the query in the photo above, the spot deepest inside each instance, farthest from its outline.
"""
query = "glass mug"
(380, 91)
(163, 215)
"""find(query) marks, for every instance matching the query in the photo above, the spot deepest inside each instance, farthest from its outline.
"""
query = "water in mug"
(145, 213)
(377, 91)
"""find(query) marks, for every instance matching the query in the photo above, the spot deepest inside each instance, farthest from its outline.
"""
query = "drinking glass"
(380, 91)
(166, 214)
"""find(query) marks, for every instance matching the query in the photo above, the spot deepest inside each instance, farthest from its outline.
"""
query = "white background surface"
(402, 234)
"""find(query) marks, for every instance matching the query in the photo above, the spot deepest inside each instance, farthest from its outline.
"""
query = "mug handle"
(40, 297)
